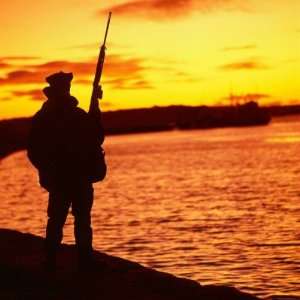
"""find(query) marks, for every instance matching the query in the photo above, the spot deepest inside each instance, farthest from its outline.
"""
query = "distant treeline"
(279, 111)
(14, 132)
(13, 135)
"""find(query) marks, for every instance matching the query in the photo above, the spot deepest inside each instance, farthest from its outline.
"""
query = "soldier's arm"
(95, 117)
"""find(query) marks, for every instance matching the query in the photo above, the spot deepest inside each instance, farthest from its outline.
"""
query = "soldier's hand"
(99, 92)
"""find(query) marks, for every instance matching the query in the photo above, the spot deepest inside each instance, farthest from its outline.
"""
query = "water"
(218, 206)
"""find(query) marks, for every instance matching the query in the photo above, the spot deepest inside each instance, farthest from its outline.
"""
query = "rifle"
(99, 69)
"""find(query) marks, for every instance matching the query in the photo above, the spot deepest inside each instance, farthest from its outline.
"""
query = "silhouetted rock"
(23, 277)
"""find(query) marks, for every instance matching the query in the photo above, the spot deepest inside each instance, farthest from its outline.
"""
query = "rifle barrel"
(107, 27)
(99, 69)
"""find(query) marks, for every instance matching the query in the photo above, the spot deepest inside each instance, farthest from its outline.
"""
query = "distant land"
(14, 132)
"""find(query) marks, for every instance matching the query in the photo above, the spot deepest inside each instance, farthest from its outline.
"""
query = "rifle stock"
(99, 69)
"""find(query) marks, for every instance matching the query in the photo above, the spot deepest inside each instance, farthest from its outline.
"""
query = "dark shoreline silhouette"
(14, 132)
(22, 276)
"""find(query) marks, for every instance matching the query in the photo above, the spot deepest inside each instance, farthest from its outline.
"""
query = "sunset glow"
(160, 52)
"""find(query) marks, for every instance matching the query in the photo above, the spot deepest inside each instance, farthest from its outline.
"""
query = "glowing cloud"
(22, 77)
(128, 72)
(244, 65)
(165, 9)
(19, 57)
(35, 94)
(240, 48)
(4, 65)
(120, 73)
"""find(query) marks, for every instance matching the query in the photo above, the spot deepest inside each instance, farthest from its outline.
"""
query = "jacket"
(64, 143)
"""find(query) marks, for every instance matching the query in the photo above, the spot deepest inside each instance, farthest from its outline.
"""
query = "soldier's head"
(60, 83)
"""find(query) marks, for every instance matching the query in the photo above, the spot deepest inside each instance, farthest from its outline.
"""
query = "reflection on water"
(219, 206)
(285, 138)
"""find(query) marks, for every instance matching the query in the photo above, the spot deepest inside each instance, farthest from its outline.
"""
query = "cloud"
(246, 97)
(34, 94)
(167, 9)
(81, 68)
(4, 65)
(119, 72)
(21, 77)
(115, 66)
(181, 76)
(125, 84)
(5, 98)
(7, 62)
(238, 48)
(87, 46)
(244, 65)
(94, 46)
(19, 57)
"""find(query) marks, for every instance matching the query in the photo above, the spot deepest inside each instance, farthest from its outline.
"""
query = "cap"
(59, 79)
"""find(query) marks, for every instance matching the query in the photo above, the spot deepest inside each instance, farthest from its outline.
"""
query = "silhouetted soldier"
(63, 144)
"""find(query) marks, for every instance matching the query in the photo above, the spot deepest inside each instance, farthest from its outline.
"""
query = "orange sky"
(160, 52)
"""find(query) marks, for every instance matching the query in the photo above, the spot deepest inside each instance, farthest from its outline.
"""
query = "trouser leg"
(58, 207)
(81, 209)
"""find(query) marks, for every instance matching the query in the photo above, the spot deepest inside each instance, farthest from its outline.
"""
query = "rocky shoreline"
(23, 277)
